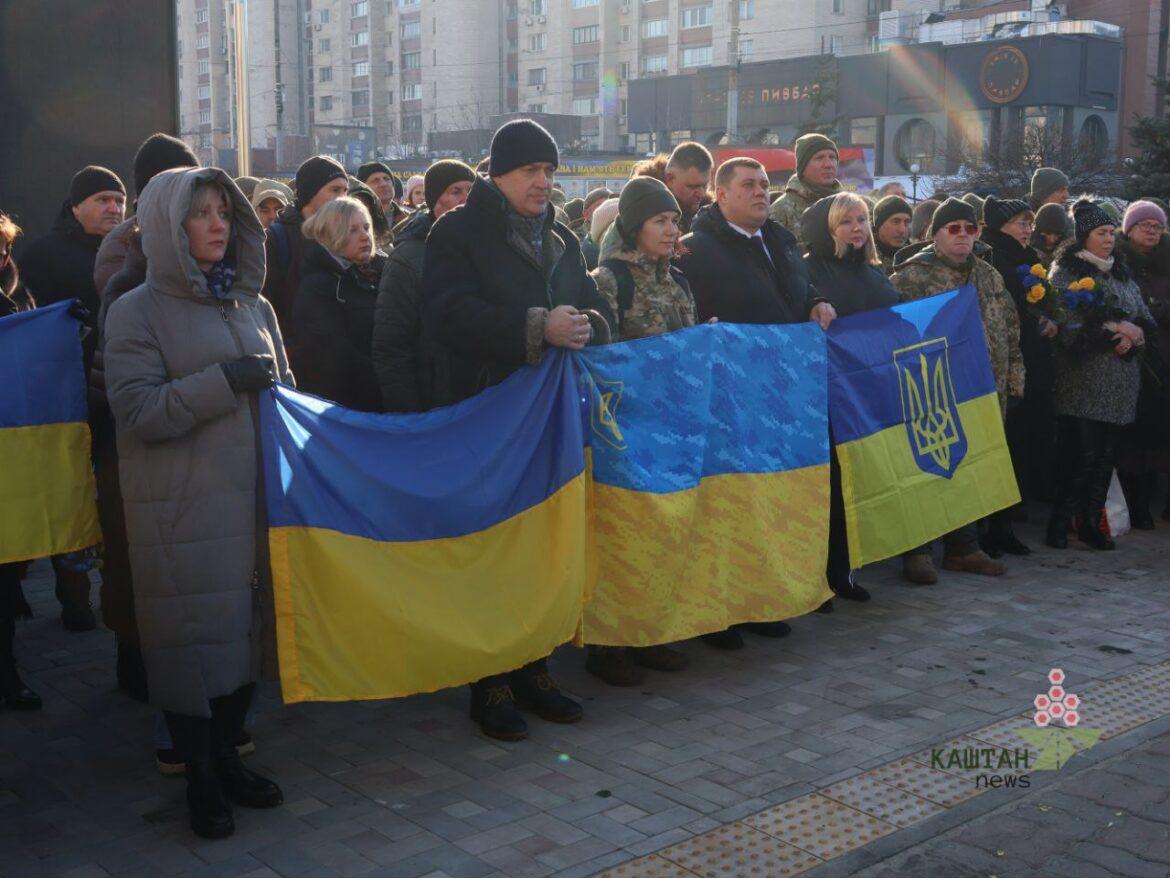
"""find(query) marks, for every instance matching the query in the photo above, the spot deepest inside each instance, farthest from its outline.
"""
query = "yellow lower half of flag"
(737, 548)
(358, 618)
(47, 495)
(892, 506)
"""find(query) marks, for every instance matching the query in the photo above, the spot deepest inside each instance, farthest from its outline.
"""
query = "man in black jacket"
(746, 268)
(502, 281)
(411, 375)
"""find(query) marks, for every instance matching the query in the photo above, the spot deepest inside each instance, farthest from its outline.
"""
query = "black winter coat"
(850, 284)
(59, 266)
(733, 280)
(480, 282)
(410, 371)
(333, 320)
(283, 264)
(14, 295)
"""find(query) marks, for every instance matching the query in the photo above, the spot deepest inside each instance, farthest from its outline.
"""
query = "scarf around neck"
(1104, 265)
(220, 278)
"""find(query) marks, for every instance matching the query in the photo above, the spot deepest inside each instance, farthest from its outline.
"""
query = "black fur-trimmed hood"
(1066, 257)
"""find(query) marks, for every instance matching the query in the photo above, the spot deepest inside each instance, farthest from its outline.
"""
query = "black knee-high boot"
(13, 691)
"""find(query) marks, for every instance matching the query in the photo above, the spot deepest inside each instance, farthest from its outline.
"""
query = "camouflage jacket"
(926, 274)
(660, 303)
(797, 198)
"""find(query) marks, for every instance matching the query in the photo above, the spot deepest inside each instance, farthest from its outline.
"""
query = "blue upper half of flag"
(885, 361)
(40, 359)
(444, 473)
(669, 410)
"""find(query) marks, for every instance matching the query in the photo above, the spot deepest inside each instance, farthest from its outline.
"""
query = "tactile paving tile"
(883, 801)
(652, 866)
(929, 783)
(738, 851)
(820, 826)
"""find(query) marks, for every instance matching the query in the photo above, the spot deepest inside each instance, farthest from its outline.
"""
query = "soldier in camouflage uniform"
(891, 229)
(815, 178)
(948, 262)
(649, 297)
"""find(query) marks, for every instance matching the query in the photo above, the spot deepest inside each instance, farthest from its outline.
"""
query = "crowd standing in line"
(392, 297)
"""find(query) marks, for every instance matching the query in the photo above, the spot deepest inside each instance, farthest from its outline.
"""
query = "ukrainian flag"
(710, 470)
(47, 495)
(411, 553)
(916, 424)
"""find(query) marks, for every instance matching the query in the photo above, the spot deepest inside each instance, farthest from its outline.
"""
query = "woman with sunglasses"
(947, 263)
(1145, 444)
(1097, 375)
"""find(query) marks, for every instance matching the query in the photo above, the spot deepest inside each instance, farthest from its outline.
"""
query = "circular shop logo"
(1004, 74)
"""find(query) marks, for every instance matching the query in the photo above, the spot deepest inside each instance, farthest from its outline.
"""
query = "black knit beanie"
(1053, 219)
(1088, 215)
(91, 180)
(367, 170)
(891, 205)
(976, 202)
(575, 209)
(641, 199)
(521, 142)
(160, 152)
(442, 174)
(953, 210)
(313, 175)
(997, 213)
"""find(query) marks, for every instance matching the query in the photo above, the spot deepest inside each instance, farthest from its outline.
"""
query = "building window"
(323, 45)
(389, 68)
(326, 102)
(581, 4)
(585, 34)
(696, 16)
(537, 42)
(412, 123)
(653, 63)
(361, 68)
(412, 61)
(536, 108)
(201, 41)
(403, 4)
(873, 7)
(838, 7)
(585, 106)
(915, 144)
(359, 98)
(836, 43)
(696, 56)
(746, 48)
(412, 92)
(863, 131)
(357, 10)
(359, 38)
(409, 30)
(204, 66)
(205, 141)
(624, 71)
(538, 7)
(537, 76)
(205, 117)
(585, 71)
(324, 74)
(655, 27)
(204, 92)
(323, 16)
(390, 98)
(200, 16)
(747, 9)
(623, 105)
(625, 38)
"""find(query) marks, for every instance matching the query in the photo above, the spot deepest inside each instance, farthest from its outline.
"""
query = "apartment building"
(211, 64)
(407, 69)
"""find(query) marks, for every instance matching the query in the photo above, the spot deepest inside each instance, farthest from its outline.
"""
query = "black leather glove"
(78, 311)
(248, 374)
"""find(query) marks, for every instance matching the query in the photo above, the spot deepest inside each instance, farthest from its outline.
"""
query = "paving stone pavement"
(408, 788)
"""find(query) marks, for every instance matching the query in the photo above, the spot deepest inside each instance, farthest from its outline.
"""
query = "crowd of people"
(391, 297)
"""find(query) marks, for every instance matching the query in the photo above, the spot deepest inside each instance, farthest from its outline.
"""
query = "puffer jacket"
(333, 320)
(851, 284)
(188, 451)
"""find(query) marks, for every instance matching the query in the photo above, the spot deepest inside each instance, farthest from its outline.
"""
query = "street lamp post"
(914, 169)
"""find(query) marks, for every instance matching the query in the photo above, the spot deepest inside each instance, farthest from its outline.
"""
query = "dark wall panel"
(81, 82)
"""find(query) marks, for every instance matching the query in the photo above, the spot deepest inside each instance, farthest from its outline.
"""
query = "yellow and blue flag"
(710, 481)
(411, 553)
(916, 424)
(47, 494)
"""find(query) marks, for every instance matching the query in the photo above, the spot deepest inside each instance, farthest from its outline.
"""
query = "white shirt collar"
(758, 233)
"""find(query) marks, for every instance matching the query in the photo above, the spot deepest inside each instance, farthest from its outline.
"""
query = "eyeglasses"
(961, 228)
(1151, 226)
(1025, 224)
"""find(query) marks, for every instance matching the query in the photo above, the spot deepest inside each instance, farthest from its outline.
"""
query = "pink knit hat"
(413, 183)
(1139, 212)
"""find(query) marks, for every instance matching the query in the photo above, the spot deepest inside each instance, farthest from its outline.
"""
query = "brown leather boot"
(977, 562)
(919, 570)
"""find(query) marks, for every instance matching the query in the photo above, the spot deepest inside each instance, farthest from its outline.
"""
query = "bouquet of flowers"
(1043, 298)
